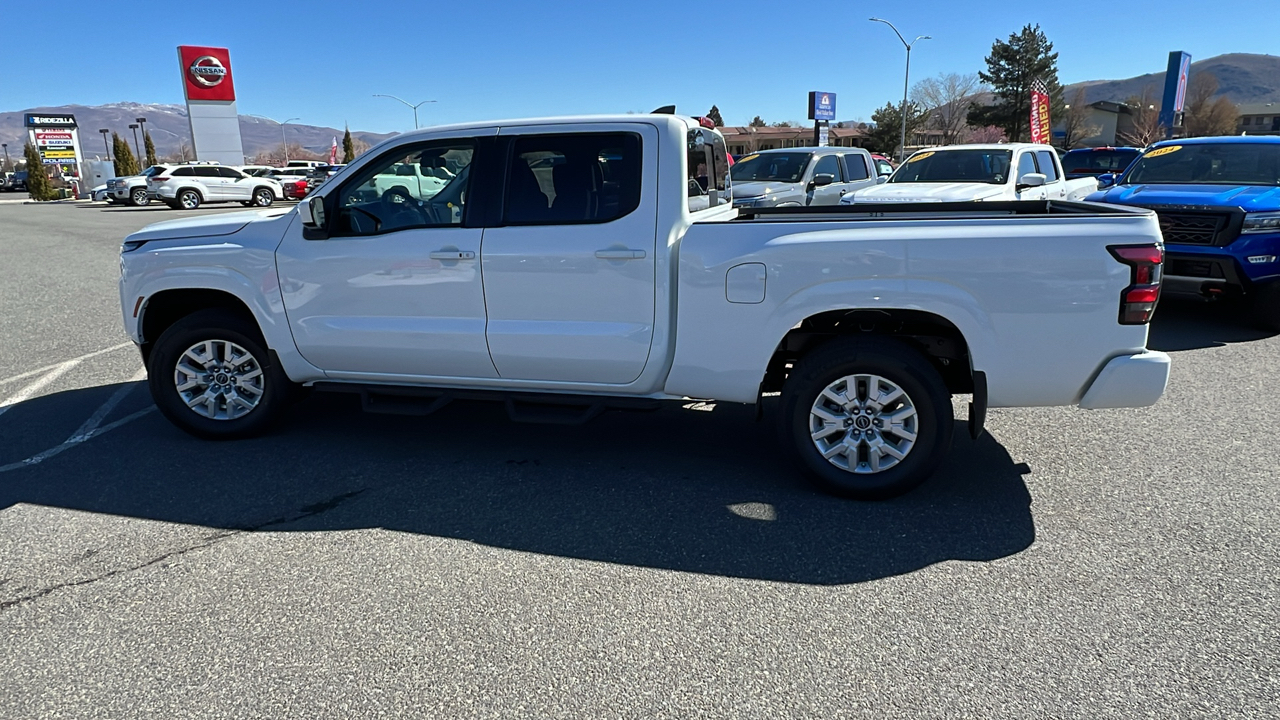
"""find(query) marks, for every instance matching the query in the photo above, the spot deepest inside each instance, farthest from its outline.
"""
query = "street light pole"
(6, 156)
(906, 81)
(409, 104)
(136, 147)
(105, 146)
(283, 141)
(142, 122)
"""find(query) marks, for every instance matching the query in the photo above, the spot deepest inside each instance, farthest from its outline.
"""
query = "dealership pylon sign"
(1039, 112)
(210, 90)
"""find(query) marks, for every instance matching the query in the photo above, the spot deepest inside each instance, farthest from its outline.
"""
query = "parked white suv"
(133, 189)
(187, 187)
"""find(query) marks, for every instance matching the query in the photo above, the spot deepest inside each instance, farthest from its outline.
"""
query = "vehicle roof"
(824, 150)
(1221, 140)
(533, 122)
(1105, 147)
(987, 146)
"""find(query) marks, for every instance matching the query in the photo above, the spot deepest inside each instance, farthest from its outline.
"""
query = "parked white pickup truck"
(565, 268)
(967, 173)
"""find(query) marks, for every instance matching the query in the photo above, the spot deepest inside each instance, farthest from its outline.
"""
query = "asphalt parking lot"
(669, 564)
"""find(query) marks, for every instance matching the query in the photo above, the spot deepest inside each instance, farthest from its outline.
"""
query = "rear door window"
(207, 172)
(573, 178)
(855, 167)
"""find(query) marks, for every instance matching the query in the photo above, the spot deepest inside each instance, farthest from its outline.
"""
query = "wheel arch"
(164, 308)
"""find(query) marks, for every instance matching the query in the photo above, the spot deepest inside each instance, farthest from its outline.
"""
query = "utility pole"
(906, 81)
(409, 104)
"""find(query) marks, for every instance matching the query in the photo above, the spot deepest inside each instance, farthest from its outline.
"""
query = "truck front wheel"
(870, 418)
(211, 375)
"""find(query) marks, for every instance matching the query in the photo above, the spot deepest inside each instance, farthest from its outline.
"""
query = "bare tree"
(1145, 127)
(985, 134)
(1206, 115)
(947, 97)
(1076, 125)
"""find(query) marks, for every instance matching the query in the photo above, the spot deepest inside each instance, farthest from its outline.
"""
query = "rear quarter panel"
(1036, 298)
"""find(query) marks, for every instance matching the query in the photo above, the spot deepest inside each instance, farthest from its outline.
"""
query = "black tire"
(1264, 307)
(138, 197)
(896, 363)
(277, 390)
(173, 204)
(188, 200)
(263, 197)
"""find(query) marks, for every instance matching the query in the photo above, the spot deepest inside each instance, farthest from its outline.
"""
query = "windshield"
(781, 166)
(965, 166)
(1209, 164)
(1096, 162)
(152, 171)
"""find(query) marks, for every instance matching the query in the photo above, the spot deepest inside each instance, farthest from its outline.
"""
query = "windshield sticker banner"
(1039, 112)
(920, 156)
(1163, 151)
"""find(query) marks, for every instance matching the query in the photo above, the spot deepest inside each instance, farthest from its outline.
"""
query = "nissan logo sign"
(207, 71)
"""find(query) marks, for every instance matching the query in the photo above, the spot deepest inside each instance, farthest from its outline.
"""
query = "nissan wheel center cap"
(207, 71)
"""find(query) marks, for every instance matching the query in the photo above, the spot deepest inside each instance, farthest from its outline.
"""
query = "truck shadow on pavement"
(1190, 324)
(675, 489)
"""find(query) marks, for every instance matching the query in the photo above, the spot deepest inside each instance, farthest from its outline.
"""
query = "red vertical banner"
(1040, 129)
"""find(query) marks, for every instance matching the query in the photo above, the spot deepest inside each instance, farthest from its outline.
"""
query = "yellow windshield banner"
(920, 156)
(1163, 151)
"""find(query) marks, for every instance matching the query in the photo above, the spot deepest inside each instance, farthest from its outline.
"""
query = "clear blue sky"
(322, 60)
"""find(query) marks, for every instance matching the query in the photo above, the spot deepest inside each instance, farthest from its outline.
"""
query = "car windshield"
(1208, 164)
(152, 171)
(1096, 162)
(965, 166)
(781, 166)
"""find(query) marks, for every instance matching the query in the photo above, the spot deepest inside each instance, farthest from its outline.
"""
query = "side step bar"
(538, 408)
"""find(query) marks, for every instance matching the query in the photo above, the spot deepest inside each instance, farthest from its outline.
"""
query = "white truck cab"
(966, 173)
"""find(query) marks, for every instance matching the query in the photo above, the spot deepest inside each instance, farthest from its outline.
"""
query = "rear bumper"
(1129, 381)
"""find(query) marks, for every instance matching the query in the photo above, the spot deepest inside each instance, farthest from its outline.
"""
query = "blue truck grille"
(1184, 228)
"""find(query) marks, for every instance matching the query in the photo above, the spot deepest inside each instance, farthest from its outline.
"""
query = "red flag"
(333, 151)
(1040, 131)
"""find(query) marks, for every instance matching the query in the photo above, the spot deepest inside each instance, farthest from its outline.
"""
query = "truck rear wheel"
(211, 375)
(870, 418)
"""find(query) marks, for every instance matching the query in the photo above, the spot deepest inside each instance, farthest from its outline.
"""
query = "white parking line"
(47, 368)
(89, 429)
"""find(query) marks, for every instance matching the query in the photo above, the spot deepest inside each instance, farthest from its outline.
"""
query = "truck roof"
(566, 119)
(987, 146)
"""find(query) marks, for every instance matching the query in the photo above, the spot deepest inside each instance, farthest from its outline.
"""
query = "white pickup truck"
(565, 269)
(968, 173)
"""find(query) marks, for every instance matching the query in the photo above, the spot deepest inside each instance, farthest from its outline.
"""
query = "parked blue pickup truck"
(1218, 200)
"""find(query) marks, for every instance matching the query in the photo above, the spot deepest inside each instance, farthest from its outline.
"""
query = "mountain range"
(169, 129)
(1243, 78)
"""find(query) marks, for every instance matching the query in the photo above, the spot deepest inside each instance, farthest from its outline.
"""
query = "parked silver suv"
(187, 187)
(800, 176)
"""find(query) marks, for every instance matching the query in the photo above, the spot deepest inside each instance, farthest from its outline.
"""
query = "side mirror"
(882, 179)
(313, 213)
(1031, 180)
(1106, 180)
(823, 179)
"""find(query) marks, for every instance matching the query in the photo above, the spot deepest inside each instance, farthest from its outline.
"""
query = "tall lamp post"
(283, 141)
(906, 80)
(6, 155)
(142, 122)
(137, 149)
(105, 146)
(409, 104)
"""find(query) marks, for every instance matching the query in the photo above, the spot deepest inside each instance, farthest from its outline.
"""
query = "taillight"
(1138, 301)
(157, 179)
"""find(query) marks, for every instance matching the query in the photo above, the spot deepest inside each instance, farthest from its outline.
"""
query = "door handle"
(612, 254)
(452, 255)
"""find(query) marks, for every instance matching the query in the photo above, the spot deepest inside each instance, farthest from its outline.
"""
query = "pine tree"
(757, 122)
(714, 114)
(348, 147)
(126, 164)
(38, 185)
(886, 136)
(150, 148)
(1011, 68)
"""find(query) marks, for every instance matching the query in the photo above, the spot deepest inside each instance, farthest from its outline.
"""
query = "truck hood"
(928, 192)
(762, 187)
(1250, 198)
(207, 226)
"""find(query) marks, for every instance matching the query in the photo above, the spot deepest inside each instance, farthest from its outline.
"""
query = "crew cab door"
(1055, 185)
(827, 194)
(569, 268)
(394, 291)
(1026, 164)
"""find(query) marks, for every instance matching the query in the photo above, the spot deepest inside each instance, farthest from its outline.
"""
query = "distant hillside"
(168, 126)
(1242, 78)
